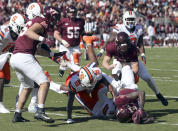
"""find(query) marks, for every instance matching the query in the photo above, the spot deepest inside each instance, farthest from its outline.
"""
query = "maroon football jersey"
(122, 99)
(131, 55)
(71, 30)
(26, 45)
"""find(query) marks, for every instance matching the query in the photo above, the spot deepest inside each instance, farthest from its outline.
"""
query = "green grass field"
(162, 64)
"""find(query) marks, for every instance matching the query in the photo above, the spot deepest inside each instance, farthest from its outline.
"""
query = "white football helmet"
(87, 78)
(33, 10)
(129, 19)
(17, 22)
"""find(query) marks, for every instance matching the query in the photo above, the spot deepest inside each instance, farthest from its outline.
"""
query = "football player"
(8, 34)
(27, 68)
(135, 33)
(90, 86)
(35, 10)
(68, 33)
(130, 107)
(126, 53)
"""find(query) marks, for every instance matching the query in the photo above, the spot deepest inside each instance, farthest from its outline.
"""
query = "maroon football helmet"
(71, 12)
(52, 15)
(124, 114)
(122, 41)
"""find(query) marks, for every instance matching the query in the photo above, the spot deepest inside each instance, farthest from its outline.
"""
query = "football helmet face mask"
(16, 24)
(122, 41)
(52, 15)
(71, 12)
(34, 10)
(87, 78)
(129, 19)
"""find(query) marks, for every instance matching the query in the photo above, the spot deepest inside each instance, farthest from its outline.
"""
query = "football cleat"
(70, 121)
(162, 99)
(32, 108)
(3, 109)
(40, 115)
(18, 118)
(61, 73)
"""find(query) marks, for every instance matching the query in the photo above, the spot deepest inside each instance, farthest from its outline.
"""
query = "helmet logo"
(32, 6)
(82, 76)
(14, 18)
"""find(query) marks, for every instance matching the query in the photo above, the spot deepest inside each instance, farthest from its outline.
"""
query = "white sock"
(18, 110)
(41, 105)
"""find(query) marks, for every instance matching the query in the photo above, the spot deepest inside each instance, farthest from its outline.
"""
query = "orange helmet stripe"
(130, 12)
(2, 34)
(89, 74)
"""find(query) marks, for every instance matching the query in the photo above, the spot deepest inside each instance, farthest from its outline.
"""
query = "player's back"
(24, 44)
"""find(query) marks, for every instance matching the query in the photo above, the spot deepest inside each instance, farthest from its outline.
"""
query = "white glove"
(70, 121)
(64, 42)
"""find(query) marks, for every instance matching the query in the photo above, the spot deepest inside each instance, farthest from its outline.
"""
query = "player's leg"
(4, 79)
(143, 74)
(127, 79)
(33, 103)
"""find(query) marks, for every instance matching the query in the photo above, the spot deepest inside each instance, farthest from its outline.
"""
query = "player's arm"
(138, 94)
(112, 37)
(34, 30)
(91, 54)
(110, 88)
(58, 37)
(142, 49)
(71, 96)
(106, 64)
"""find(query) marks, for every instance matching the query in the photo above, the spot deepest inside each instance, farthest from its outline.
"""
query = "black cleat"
(18, 118)
(40, 115)
(162, 99)
(61, 73)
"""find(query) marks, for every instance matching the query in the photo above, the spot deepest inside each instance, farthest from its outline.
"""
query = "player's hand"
(48, 42)
(143, 58)
(65, 43)
(100, 53)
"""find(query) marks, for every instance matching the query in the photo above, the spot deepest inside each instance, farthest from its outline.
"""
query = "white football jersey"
(134, 36)
(5, 38)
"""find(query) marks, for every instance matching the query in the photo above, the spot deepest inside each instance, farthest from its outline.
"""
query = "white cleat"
(32, 108)
(70, 121)
(3, 109)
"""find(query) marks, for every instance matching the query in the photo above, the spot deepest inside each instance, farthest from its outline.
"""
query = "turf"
(162, 64)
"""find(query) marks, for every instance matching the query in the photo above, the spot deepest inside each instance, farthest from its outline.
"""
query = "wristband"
(143, 54)
(41, 38)
(64, 42)
(51, 54)
(101, 51)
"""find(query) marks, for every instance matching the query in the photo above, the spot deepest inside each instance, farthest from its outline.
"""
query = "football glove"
(143, 58)
(100, 53)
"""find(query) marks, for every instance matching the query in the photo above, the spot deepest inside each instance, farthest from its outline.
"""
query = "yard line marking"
(62, 83)
(167, 124)
(164, 96)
